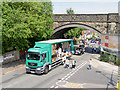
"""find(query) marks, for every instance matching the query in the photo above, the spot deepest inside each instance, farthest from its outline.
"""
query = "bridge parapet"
(113, 17)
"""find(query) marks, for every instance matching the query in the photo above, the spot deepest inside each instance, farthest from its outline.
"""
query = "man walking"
(73, 64)
(66, 63)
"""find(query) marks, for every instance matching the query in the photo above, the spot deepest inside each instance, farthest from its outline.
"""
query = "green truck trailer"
(43, 56)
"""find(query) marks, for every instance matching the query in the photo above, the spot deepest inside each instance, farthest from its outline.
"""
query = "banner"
(110, 43)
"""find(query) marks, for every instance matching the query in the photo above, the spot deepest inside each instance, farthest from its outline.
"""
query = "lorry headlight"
(27, 67)
(38, 68)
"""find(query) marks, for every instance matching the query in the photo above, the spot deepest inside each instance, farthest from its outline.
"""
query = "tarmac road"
(80, 77)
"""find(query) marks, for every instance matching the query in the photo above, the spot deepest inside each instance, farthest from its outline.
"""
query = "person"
(56, 51)
(95, 49)
(66, 49)
(92, 49)
(90, 64)
(83, 41)
(66, 63)
(59, 52)
(73, 64)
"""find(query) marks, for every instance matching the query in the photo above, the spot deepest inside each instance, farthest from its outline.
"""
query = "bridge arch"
(59, 31)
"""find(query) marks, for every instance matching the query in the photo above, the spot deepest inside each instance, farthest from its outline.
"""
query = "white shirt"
(59, 51)
(73, 62)
(90, 62)
(67, 62)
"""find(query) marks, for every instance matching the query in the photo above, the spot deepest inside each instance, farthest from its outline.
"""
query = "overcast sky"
(85, 6)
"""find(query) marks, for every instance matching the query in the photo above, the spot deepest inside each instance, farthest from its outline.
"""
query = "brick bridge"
(100, 23)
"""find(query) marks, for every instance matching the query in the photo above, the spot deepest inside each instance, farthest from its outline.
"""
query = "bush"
(106, 57)
(112, 58)
(102, 57)
(117, 61)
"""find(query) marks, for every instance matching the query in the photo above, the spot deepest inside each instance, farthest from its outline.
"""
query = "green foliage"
(112, 58)
(102, 57)
(23, 23)
(70, 11)
(79, 40)
(117, 61)
(76, 32)
(106, 57)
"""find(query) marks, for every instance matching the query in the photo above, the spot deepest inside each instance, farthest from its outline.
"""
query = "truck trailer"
(44, 56)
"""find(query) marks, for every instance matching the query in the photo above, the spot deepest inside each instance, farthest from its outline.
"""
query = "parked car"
(79, 50)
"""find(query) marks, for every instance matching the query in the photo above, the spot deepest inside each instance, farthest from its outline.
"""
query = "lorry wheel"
(46, 70)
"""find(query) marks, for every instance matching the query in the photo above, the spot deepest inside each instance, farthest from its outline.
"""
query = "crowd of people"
(66, 57)
(68, 61)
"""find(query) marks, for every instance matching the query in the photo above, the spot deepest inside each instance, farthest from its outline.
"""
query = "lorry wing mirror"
(25, 53)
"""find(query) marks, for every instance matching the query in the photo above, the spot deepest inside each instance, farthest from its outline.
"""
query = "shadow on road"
(111, 81)
(13, 64)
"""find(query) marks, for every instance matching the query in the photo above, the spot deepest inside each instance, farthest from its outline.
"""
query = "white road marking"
(70, 74)
(62, 79)
(56, 87)
(52, 86)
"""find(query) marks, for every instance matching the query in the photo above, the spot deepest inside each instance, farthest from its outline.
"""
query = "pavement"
(102, 75)
(12, 66)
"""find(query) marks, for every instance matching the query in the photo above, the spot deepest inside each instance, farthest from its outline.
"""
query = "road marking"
(70, 74)
(52, 86)
(62, 79)
(56, 87)
(74, 70)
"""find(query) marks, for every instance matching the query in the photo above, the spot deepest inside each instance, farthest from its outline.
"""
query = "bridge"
(99, 23)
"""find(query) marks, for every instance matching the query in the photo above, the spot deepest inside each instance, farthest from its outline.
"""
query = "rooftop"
(55, 41)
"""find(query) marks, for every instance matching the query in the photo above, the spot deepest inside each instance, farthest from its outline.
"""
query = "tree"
(70, 11)
(23, 23)
(75, 32)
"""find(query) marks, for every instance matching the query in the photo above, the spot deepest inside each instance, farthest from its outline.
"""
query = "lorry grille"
(32, 64)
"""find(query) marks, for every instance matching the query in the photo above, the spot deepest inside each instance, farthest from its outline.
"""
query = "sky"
(85, 6)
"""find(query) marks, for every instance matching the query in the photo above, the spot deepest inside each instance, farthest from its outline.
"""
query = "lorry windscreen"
(33, 56)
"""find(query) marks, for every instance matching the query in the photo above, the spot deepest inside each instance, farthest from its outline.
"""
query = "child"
(90, 64)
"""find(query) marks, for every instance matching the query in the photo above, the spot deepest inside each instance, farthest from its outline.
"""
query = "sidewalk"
(105, 66)
(9, 67)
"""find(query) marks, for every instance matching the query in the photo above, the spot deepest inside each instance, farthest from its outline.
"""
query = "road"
(59, 77)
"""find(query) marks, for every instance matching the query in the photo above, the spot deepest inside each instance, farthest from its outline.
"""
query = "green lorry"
(43, 56)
